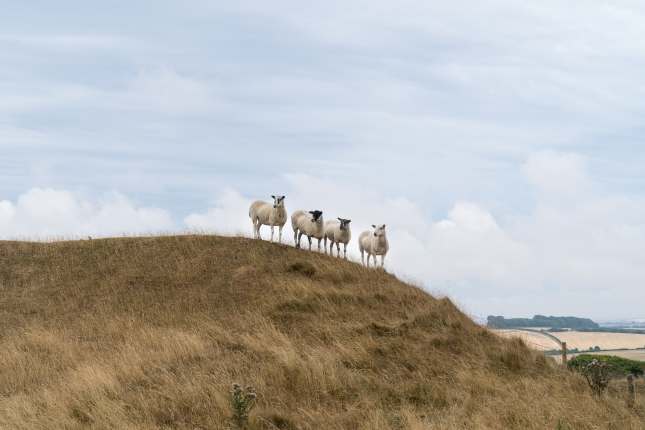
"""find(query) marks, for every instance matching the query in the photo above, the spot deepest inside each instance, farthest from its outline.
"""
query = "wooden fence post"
(564, 354)
(631, 391)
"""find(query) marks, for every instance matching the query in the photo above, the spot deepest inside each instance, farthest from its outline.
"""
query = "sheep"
(263, 213)
(374, 243)
(337, 232)
(308, 223)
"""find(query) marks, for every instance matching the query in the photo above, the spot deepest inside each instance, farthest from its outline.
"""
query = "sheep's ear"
(272, 196)
(348, 221)
(383, 225)
(373, 226)
(340, 219)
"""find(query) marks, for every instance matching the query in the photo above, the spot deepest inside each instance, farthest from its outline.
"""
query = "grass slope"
(142, 333)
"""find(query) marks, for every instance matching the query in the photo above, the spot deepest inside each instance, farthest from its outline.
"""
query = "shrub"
(597, 375)
(617, 367)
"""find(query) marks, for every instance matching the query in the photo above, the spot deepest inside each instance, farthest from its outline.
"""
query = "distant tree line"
(542, 321)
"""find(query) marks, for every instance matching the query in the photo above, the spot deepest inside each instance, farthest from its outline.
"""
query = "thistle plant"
(242, 401)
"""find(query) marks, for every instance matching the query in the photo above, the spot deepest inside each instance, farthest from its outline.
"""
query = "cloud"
(229, 215)
(557, 174)
(165, 91)
(66, 42)
(43, 213)
(157, 90)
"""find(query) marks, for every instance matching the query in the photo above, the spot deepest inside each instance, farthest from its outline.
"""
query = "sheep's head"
(344, 223)
(278, 201)
(316, 216)
(379, 230)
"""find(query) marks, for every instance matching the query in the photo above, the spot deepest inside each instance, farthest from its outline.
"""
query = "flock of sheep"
(312, 225)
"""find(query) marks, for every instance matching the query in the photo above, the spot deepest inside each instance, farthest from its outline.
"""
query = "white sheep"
(337, 231)
(374, 243)
(310, 224)
(263, 213)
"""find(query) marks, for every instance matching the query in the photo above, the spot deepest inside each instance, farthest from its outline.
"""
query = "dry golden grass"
(586, 340)
(151, 332)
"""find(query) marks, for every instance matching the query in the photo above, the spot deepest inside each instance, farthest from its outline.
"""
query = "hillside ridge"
(143, 333)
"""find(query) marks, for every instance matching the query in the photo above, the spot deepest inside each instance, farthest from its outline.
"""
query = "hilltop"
(151, 333)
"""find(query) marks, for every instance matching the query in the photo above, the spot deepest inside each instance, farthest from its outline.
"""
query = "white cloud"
(43, 213)
(229, 216)
(164, 90)
(155, 90)
(68, 42)
(557, 174)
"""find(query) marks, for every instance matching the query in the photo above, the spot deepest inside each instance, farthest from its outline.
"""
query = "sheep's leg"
(296, 238)
(326, 245)
(272, 227)
(344, 251)
(258, 229)
(319, 240)
(280, 234)
(382, 260)
(362, 259)
(309, 238)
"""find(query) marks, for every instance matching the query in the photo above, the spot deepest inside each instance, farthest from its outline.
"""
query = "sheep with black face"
(337, 232)
(373, 243)
(310, 224)
(263, 213)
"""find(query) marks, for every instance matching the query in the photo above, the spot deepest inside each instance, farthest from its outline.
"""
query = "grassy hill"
(150, 333)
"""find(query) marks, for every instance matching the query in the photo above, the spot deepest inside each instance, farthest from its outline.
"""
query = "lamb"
(337, 232)
(310, 224)
(263, 213)
(374, 243)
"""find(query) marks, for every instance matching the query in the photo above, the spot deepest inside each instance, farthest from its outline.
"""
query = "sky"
(500, 142)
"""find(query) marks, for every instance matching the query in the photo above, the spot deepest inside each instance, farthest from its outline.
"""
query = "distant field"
(576, 339)
(586, 340)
